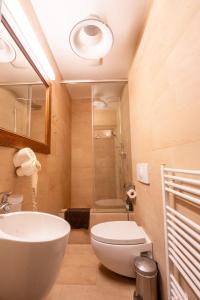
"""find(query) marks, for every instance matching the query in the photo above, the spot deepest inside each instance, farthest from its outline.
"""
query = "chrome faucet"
(4, 205)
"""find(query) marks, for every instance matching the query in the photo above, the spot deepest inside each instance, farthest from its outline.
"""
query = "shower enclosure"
(111, 145)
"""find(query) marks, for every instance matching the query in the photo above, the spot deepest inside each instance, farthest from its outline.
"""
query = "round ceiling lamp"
(7, 52)
(91, 38)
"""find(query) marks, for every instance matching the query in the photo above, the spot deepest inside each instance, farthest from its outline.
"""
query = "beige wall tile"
(96, 218)
(164, 98)
(82, 187)
(105, 118)
(81, 106)
(105, 169)
(81, 154)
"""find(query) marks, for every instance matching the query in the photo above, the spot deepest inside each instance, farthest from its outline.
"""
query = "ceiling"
(125, 18)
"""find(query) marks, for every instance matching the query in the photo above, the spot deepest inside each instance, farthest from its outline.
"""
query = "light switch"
(143, 173)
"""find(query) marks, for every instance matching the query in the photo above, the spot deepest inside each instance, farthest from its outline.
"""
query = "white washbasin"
(32, 246)
(32, 227)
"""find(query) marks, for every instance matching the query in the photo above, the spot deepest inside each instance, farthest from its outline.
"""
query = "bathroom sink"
(32, 245)
(32, 227)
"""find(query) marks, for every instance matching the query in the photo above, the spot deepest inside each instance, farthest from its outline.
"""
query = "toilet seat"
(118, 233)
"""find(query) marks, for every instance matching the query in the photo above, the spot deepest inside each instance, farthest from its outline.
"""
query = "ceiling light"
(91, 38)
(16, 17)
(7, 52)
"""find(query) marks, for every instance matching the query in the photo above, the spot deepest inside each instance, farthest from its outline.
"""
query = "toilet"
(117, 243)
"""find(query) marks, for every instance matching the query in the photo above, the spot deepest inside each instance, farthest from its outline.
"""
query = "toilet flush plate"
(142, 170)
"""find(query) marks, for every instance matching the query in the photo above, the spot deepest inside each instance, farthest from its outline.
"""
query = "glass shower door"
(109, 150)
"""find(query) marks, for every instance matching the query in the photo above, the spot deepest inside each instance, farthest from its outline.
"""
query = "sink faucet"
(4, 205)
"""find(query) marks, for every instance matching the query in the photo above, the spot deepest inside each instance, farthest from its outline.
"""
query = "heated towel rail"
(182, 234)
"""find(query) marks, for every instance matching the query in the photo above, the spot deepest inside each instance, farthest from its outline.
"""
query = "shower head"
(99, 103)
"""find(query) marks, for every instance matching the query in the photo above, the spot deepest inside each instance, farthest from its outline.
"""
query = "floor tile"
(82, 277)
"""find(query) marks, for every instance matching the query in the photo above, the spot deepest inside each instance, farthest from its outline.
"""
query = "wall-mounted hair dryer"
(26, 164)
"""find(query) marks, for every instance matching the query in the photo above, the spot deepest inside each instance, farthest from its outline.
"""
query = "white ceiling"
(125, 17)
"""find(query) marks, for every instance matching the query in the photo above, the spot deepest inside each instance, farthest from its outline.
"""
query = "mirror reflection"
(22, 110)
(22, 94)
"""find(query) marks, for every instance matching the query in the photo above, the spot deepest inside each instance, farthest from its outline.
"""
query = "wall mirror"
(24, 96)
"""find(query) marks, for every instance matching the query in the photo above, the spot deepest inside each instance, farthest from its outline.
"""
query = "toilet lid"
(118, 233)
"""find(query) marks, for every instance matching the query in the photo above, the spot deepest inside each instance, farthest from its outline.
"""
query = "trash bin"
(146, 278)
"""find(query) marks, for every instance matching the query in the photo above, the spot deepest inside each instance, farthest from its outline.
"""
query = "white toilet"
(117, 243)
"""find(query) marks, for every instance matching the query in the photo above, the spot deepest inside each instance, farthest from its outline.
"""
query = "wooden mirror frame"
(10, 139)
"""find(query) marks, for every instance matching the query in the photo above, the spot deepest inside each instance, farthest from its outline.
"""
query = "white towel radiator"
(182, 234)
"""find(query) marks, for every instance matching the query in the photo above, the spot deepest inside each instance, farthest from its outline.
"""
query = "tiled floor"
(83, 278)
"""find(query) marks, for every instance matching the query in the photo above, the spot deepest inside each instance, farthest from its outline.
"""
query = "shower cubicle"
(111, 146)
